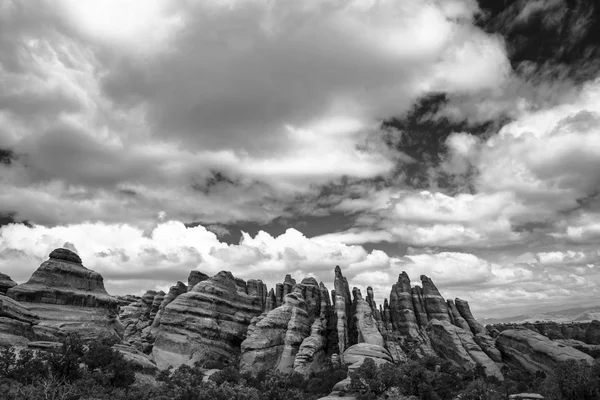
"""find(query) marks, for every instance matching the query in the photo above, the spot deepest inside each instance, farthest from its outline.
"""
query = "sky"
(459, 139)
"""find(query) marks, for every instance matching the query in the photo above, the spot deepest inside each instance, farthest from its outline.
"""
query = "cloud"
(132, 261)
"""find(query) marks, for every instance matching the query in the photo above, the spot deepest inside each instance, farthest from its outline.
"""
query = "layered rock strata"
(535, 352)
(458, 345)
(207, 323)
(63, 280)
(16, 323)
(68, 297)
(275, 340)
(6, 283)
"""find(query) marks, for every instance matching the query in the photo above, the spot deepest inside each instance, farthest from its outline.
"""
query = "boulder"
(535, 352)
(207, 323)
(44, 345)
(6, 283)
(274, 341)
(141, 361)
(355, 355)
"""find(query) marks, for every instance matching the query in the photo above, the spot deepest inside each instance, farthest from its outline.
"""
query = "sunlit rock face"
(208, 322)
(68, 297)
(275, 340)
(535, 352)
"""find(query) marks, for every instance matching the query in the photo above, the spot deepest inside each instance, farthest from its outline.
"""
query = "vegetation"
(434, 379)
(96, 371)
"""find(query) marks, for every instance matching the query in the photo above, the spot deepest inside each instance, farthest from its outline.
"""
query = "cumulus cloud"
(132, 261)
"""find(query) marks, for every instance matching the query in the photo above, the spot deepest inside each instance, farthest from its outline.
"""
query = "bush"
(573, 380)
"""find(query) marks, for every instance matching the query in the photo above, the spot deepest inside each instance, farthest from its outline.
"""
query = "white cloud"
(132, 261)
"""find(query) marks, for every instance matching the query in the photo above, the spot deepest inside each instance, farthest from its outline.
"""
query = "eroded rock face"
(16, 323)
(196, 277)
(68, 297)
(535, 352)
(485, 341)
(435, 305)
(355, 355)
(463, 308)
(342, 306)
(274, 341)
(207, 323)
(366, 325)
(459, 346)
(402, 311)
(174, 292)
(63, 280)
(312, 353)
(6, 283)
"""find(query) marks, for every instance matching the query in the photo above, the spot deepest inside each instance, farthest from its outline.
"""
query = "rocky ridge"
(294, 326)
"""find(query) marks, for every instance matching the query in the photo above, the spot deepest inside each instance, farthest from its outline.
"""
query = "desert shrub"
(573, 380)
(370, 381)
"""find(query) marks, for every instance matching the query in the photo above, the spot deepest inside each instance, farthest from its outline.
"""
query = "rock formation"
(435, 306)
(535, 352)
(196, 277)
(291, 327)
(16, 323)
(207, 323)
(355, 355)
(485, 341)
(63, 280)
(458, 346)
(366, 325)
(276, 338)
(68, 297)
(174, 292)
(6, 283)
(342, 305)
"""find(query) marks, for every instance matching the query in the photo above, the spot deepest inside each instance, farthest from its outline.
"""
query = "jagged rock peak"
(289, 279)
(356, 294)
(65, 255)
(196, 277)
(404, 281)
(435, 305)
(310, 281)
